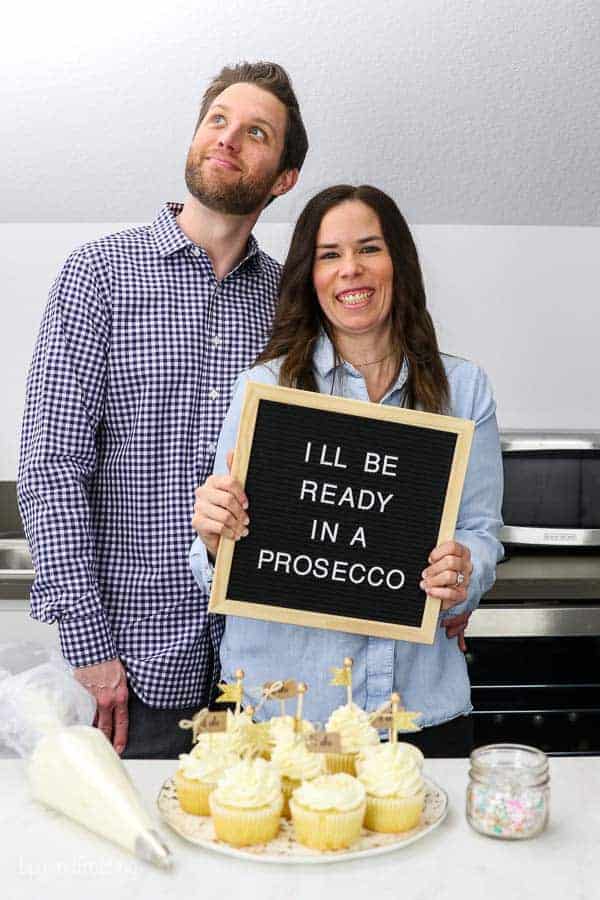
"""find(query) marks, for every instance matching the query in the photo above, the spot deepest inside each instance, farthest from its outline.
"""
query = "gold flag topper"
(258, 737)
(342, 677)
(230, 693)
(405, 720)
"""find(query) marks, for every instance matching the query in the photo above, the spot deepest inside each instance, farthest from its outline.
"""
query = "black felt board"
(401, 537)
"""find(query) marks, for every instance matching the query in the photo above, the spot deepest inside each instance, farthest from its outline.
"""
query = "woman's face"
(353, 271)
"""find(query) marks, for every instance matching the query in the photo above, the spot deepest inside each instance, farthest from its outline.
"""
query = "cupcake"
(391, 775)
(356, 732)
(198, 774)
(235, 739)
(295, 764)
(328, 811)
(246, 804)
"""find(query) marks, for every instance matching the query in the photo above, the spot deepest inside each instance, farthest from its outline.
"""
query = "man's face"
(233, 163)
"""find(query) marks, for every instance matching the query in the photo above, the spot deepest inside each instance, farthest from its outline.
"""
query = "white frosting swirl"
(206, 766)
(294, 761)
(352, 724)
(340, 792)
(249, 784)
(385, 772)
(281, 728)
(388, 749)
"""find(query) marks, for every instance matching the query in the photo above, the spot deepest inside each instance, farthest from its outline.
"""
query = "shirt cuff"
(86, 641)
(201, 565)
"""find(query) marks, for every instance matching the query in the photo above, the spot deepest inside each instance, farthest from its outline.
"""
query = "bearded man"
(143, 336)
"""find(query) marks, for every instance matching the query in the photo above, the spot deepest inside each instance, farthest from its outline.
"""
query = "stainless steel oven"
(534, 652)
(541, 691)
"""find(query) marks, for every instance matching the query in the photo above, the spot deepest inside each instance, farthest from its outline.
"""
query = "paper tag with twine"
(280, 690)
(324, 742)
(205, 722)
(382, 721)
(213, 722)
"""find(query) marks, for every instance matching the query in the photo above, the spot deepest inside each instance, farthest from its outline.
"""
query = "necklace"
(373, 362)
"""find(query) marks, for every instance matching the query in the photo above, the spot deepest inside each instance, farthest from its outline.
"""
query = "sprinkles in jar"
(509, 791)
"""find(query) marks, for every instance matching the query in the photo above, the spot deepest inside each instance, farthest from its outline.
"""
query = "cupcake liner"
(193, 794)
(394, 814)
(341, 762)
(326, 829)
(243, 827)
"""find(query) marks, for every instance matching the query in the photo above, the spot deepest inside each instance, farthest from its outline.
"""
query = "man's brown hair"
(272, 78)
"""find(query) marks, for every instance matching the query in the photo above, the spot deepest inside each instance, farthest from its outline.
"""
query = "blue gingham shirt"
(131, 377)
(431, 678)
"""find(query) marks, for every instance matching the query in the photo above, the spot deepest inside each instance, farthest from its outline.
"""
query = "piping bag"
(46, 716)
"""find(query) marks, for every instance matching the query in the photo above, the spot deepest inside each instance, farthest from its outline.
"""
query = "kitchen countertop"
(537, 594)
(42, 851)
(525, 575)
(547, 575)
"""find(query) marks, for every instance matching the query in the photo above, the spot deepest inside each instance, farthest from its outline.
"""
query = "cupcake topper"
(392, 733)
(232, 693)
(259, 739)
(279, 690)
(301, 689)
(239, 674)
(344, 677)
(403, 719)
(195, 723)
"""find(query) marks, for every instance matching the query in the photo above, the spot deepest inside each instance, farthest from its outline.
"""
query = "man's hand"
(455, 627)
(107, 683)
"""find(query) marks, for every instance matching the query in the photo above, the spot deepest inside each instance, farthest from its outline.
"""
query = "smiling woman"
(352, 320)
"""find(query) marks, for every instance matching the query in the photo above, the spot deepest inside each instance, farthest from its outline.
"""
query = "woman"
(352, 321)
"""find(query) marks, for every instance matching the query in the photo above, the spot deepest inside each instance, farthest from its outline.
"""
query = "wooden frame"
(254, 394)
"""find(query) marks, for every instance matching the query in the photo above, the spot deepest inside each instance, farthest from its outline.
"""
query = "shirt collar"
(169, 237)
(167, 234)
(324, 363)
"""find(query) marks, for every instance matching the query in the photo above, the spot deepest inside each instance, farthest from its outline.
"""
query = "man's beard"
(239, 199)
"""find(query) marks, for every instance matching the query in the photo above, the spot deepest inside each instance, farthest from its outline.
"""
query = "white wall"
(521, 301)
(471, 111)
(480, 118)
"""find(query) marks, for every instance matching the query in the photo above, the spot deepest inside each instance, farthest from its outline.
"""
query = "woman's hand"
(220, 509)
(448, 574)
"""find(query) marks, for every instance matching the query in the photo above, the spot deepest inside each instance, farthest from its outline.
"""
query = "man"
(143, 336)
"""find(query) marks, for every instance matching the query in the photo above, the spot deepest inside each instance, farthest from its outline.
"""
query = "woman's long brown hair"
(298, 318)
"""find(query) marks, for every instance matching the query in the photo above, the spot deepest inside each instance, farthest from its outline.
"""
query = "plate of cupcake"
(281, 791)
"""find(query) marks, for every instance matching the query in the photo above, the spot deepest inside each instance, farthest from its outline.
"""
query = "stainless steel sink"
(15, 561)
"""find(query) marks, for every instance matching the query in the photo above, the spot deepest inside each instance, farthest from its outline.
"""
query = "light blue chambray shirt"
(430, 678)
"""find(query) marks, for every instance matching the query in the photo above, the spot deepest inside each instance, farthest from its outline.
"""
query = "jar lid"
(509, 757)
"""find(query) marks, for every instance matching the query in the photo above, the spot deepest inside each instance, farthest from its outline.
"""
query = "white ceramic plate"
(284, 849)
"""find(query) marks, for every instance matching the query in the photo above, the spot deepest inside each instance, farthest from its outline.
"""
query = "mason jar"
(508, 795)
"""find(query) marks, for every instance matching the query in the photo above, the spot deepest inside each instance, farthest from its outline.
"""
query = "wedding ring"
(459, 579)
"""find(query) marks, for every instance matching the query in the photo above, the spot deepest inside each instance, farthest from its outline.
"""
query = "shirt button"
(216, 341)
(213, 393)
(212, 447)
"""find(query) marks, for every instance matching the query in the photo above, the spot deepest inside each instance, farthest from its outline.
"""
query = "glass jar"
(509, 791)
